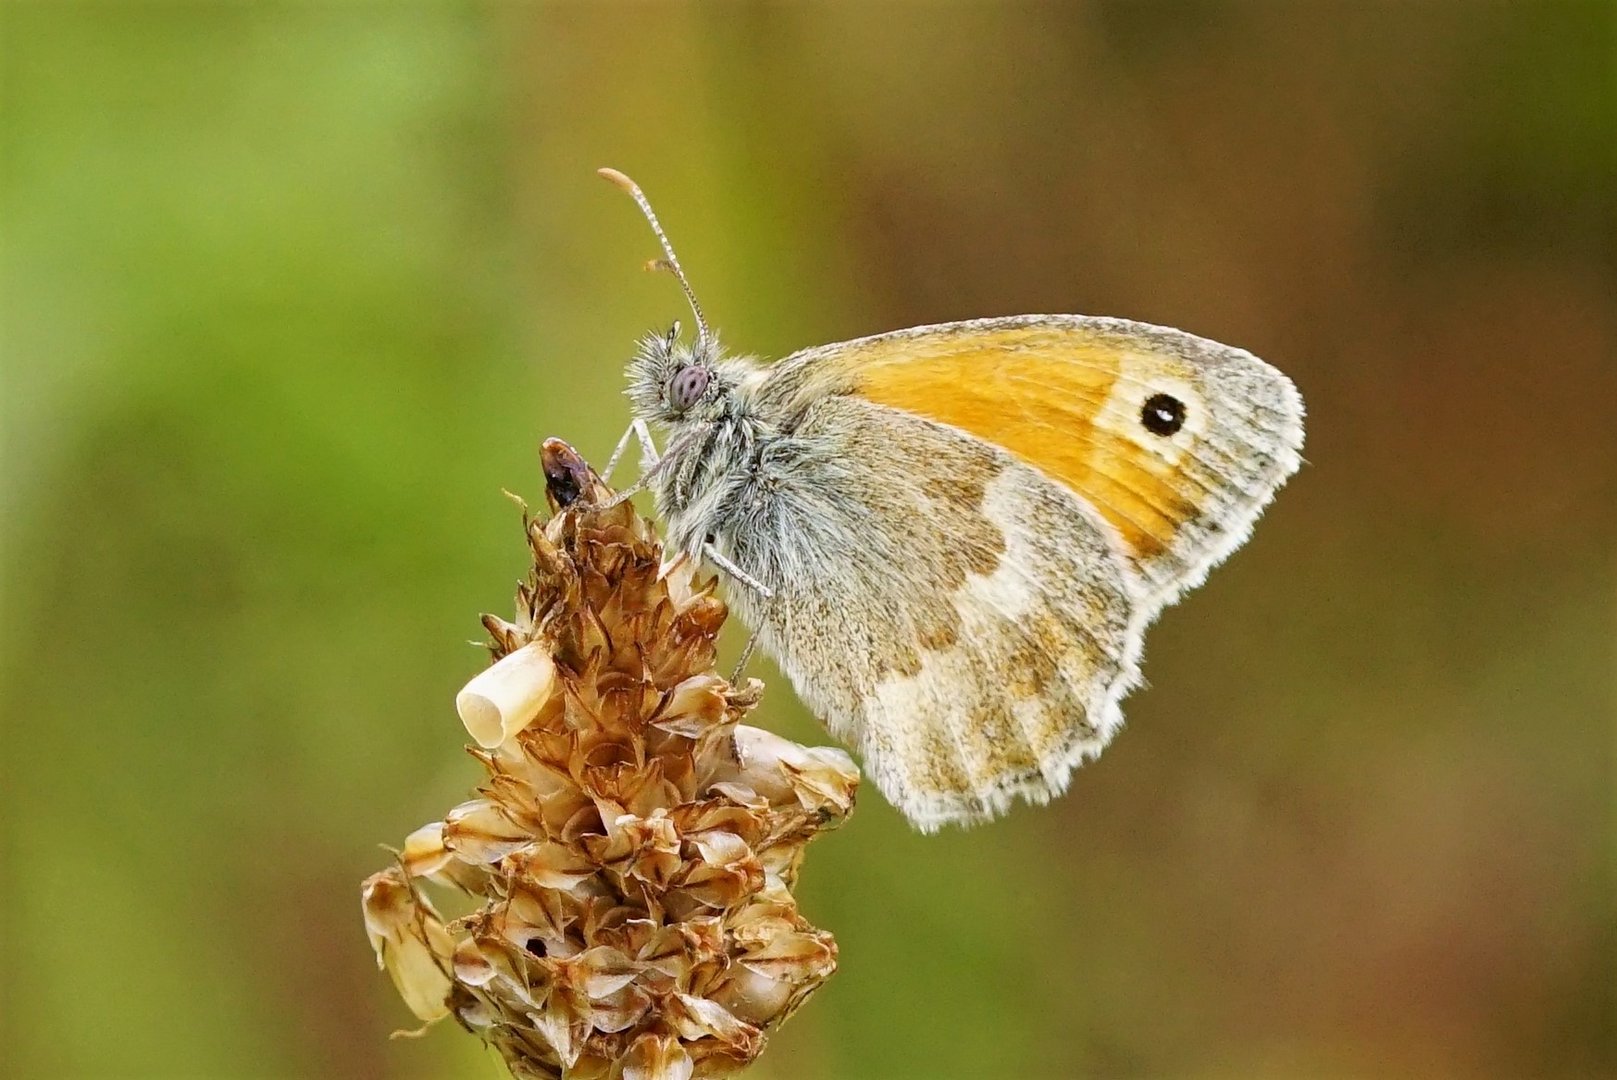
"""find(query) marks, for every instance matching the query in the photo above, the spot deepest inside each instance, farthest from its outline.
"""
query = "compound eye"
(687, 387)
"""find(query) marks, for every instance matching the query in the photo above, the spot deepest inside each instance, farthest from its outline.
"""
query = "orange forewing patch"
(1040, 394)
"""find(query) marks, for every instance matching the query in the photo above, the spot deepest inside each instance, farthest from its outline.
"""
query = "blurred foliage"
(291, 291)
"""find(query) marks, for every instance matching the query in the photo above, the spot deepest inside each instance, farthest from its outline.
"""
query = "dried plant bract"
(632, 854)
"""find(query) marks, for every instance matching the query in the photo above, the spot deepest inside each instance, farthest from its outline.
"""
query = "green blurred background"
(292, 291)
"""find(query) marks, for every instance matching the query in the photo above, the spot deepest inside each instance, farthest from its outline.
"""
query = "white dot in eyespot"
(1163, 414)
(1123, 414)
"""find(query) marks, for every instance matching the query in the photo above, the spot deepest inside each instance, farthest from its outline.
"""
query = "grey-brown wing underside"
(957, 617)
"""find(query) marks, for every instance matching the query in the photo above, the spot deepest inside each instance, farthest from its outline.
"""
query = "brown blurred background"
(290, 292)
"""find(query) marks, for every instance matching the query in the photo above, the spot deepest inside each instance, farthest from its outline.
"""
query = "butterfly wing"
(1177, 442)
(962, 620)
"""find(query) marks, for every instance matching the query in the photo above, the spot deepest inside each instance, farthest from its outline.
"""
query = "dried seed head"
(504, 699)
(631, 855)
(409, 940)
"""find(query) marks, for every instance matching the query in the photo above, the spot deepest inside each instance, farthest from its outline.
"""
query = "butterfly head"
(673, 382)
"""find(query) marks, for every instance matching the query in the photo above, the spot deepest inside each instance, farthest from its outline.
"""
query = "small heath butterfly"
(952, 538)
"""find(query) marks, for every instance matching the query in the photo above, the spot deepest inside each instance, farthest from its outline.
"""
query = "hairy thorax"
(707, 469)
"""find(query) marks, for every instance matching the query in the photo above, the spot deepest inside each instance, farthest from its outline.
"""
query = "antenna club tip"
(617, 178)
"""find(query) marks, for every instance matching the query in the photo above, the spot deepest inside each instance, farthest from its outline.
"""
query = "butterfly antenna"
(672, 261)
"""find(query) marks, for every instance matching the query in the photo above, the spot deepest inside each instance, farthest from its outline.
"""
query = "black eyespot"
(687, 387)
(1163, 414)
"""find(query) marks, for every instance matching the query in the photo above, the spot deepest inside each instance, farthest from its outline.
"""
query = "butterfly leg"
(741, 661)
(735, 571)
(636, 429)
(659, 463)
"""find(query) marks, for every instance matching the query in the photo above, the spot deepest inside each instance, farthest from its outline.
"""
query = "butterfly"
(952, 538)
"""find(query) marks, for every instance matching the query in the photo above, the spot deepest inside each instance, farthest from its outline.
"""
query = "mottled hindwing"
(962, 620)
(1178, 442)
